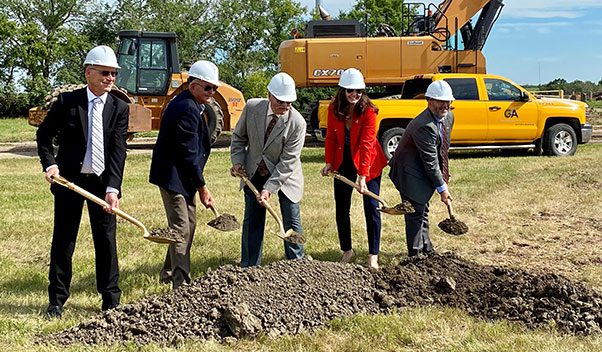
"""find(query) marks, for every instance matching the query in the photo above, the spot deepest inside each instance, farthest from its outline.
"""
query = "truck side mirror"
(524, 96)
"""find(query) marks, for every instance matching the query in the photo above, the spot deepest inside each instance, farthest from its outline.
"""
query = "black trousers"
(342, 199)
(68, 208)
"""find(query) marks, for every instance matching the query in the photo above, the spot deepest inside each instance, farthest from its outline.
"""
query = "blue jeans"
(253, 228)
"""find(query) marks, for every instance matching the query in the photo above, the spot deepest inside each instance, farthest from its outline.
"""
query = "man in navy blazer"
(94, 161)
(179, 157)
(420, 164)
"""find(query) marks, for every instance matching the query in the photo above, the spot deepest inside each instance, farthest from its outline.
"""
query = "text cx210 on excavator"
(150, 76)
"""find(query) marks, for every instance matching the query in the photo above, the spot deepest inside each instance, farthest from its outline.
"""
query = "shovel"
(402, 208)
(453, 226)
(224, 222)
(157, 236)
(290, 235)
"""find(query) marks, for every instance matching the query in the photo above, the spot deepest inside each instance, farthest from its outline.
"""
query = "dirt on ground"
(290, 297)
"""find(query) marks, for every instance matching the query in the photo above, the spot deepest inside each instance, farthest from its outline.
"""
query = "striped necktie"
(270, 127)
(98, 155)
(444, 152)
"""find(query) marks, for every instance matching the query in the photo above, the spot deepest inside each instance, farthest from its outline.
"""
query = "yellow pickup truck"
(491, 112)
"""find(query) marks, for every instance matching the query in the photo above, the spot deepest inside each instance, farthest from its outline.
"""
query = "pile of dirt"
(285, 297)
(289, 297)
(225, 222)
(491, 293)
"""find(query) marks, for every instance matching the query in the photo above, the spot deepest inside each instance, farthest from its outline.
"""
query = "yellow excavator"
(428, 44)
(150, 76)
(436, 39)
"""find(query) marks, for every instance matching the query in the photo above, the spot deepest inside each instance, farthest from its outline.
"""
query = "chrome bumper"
(586, 132)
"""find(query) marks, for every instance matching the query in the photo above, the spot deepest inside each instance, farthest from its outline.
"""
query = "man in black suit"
(90, 128)
(179, 157)
(420, 164)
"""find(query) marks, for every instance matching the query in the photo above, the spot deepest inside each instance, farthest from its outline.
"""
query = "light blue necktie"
(98, 155)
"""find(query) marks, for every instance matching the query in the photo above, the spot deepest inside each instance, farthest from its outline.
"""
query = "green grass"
(535, 213)
(16, 130)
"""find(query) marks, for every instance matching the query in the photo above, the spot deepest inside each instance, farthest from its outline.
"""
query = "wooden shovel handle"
(215, 212)
(267, 205)
(72, 186)
(354, 185)
(450, 210)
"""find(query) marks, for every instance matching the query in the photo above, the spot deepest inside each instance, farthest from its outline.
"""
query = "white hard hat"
(282, 87)
(440, 90)
(205, 70)
(101, 55)
(352, 78)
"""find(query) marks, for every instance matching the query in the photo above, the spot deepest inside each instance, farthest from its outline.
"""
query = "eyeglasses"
(280, 102)
(209, 88)
(105, 73)
(359, 91)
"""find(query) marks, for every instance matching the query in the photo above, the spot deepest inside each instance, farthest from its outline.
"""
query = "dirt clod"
(225, 222)
(453, 227)
(294, 296)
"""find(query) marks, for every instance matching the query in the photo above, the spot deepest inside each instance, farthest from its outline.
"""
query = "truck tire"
(560, 140)
(215, 120)
(390, 139)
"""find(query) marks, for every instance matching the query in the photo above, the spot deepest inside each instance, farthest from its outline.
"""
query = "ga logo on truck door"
(510, 113)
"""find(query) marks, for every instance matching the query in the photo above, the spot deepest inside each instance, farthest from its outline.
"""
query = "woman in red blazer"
(353, 151)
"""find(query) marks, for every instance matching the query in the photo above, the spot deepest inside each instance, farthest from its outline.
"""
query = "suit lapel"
(82, 110)
(260, 118)
(107, 112)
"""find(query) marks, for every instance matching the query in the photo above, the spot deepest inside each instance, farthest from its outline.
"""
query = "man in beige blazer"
(266, 146)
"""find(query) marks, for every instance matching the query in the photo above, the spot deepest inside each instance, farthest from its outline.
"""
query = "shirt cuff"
(442, 188)
(112, 190)
(53, 166)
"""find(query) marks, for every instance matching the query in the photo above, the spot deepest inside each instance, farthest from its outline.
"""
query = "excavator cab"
(152, 75)
(147, 60)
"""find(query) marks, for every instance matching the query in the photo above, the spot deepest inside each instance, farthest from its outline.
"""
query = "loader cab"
(147, 61)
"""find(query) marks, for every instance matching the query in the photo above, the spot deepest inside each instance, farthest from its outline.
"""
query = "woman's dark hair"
(340, 105)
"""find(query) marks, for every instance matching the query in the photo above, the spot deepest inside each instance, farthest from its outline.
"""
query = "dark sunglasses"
(208, 88)
(105, 73)
(359, 91)
(280, 102)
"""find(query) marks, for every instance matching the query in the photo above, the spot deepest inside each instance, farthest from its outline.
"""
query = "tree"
(251, 32)
(379, 13)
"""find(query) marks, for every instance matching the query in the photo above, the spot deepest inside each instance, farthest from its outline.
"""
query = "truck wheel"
(215, 119)
(390, 139)
(560, 140)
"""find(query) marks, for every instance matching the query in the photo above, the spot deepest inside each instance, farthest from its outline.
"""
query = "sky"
(535, 41)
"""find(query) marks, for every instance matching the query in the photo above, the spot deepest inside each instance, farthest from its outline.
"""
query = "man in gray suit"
(266, 146)
(420, 164)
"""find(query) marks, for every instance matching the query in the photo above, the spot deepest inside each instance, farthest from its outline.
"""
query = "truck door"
(510, 120)
(470, 113)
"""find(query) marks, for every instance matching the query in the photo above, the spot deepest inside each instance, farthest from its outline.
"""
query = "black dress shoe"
(109, 306)
(53, 312)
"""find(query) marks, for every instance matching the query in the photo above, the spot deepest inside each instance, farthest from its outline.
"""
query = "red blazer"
(368, 156)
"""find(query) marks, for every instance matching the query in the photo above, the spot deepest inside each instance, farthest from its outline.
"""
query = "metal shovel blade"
(453, 226)
(402, 208)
